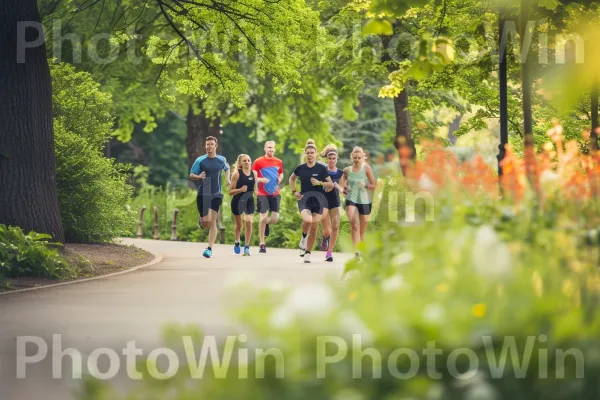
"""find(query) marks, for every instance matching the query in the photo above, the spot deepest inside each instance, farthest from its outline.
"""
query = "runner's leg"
(314, 226)
(352, 213)
(212, 234)
(326, 223)
(238, 227)
(248, 218)
(335, 228)
(364, 222)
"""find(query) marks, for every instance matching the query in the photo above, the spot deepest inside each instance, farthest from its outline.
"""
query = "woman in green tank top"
(357, 181)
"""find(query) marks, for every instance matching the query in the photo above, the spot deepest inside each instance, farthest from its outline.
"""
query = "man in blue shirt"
(207, 171)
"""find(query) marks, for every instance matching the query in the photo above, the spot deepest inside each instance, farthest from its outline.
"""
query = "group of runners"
(319, 201)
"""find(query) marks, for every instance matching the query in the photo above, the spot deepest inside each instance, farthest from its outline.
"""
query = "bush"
(30, 255)
(92, 190)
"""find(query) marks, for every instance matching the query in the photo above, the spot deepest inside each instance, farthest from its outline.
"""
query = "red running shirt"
(269, 168)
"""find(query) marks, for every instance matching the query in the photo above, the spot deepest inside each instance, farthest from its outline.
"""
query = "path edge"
(157, 258)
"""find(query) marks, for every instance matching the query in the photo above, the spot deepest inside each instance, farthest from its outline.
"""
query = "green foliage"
(92, 190)
(30, 254)
(162, 151)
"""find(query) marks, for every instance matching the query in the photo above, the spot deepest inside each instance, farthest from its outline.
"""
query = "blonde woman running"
(357, 180)
(243, 183)
(330, 220)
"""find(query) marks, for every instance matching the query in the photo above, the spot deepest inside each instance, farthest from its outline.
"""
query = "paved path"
(183, 288)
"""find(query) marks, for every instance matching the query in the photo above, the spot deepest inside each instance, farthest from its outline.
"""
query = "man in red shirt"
(268, 198)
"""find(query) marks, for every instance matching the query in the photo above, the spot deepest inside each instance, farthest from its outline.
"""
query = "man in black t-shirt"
(311, 198)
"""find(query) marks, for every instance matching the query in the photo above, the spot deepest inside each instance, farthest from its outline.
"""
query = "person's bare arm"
(292, 183)
(371, 177)
(234, 179)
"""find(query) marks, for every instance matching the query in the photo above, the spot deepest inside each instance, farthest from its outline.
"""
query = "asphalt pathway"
(182, 288)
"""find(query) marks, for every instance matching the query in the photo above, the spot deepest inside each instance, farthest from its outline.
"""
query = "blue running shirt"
(212, 167)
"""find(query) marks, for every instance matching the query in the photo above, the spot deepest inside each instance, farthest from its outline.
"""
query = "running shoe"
(302, 252)
(307, 258)
(329, 257)
(267, 230)
(207, 253)
(324, 243)
(236, 248)
(263, 248)
(246, 250)
(302, 244)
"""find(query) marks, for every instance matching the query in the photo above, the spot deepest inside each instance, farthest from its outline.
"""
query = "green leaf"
(378, 27)
(549, 4)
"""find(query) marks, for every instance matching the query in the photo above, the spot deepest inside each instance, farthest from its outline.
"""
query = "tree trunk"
(454, 126)
(28, 195)
(199, 127)
(403, 124)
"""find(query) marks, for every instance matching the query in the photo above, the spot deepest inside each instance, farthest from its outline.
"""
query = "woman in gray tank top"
(358, 180)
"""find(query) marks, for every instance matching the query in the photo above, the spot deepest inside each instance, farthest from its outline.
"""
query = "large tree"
(28, 196)
(27, 173)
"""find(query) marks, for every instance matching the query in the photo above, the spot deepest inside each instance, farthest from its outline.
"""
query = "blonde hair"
(357, 149)
(330, 148)
(268, 142)
(310, 144)
(238, 162)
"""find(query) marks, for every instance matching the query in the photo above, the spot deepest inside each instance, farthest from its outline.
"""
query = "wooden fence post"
(140, 232)
(156, 236)
(174, 225)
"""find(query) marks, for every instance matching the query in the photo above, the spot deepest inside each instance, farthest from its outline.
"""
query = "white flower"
(402, 258)
(354, 325)
(307, 300)
(550, 181)
(425, 183)
(310, 299)
(491, 255)
(282, 317)
(548, 177)
(433, 313)
(393, 283)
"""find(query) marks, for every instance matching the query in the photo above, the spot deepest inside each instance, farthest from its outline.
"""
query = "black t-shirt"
(304, 173)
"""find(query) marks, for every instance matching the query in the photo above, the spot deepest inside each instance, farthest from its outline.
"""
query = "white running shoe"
(307, 258)
(302, 244)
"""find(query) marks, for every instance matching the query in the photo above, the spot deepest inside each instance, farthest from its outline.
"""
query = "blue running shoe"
(207, 253)
(236, 248)
(246, 250)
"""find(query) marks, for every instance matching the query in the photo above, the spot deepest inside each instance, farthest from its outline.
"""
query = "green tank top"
(357, 194)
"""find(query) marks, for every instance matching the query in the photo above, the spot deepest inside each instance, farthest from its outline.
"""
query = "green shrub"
(30, 255)
(92, 190)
